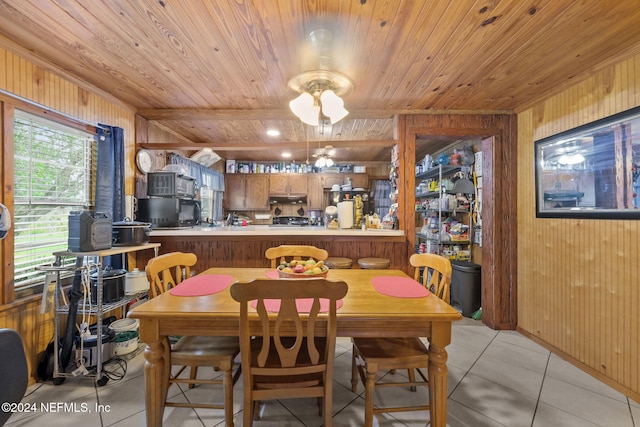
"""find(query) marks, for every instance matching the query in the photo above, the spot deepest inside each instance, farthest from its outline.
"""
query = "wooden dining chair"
(290, 354)
(164, 272)
(434, 272)
(282, 253)
(371, 355)
(168, 270)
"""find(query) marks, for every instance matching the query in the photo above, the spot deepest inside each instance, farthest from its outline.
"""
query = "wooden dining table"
(365, 312)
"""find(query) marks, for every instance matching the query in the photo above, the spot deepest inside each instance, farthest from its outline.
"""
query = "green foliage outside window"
(52, 178)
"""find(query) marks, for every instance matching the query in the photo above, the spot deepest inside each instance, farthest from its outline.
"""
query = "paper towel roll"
(345, 214)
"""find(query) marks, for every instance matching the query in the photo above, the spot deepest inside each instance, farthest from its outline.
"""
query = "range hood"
(300, 199)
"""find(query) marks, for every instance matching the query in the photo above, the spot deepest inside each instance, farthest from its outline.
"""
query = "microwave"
(170, 184)
(169, 212)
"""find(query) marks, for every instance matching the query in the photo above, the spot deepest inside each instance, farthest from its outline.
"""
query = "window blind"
(53, 176)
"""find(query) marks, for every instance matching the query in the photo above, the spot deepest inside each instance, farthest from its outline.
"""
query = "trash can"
(466, 287)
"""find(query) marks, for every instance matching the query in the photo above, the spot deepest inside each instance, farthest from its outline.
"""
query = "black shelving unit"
(97, 309)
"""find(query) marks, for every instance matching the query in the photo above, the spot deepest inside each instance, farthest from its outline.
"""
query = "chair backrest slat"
(284, 326)
(166, 271)
(434, 272)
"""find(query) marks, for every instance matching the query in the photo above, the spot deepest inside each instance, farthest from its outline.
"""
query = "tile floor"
(496, 378)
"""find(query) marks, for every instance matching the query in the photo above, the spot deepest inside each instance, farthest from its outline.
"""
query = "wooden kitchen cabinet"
(246, 192)
(288, 184)
(234, 193)
(257, 192)
(251, 191)
(358, 180)
(315, 193)
(329, 181)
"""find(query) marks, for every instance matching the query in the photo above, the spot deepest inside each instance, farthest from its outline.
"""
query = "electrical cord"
(83, 329)
(33, 391)
(115, 369)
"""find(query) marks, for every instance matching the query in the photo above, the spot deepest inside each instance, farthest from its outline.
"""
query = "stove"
(290, 220)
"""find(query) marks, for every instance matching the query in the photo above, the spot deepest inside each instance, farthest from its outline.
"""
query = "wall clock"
(144, 160)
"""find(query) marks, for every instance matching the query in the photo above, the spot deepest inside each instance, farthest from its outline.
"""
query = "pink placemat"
(202, 284)
(402, 287)
(272, 274)
(303, 304)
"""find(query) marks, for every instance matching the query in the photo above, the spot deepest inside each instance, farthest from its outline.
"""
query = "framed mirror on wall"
(592, 171)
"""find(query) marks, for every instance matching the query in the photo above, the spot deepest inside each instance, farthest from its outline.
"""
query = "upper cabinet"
(246, 192)
(234, 192)
(287, 184)
(315, 195)
(251, 191)
(358, 180)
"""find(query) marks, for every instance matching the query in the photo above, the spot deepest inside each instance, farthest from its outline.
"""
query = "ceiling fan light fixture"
(320, 91)
(305, 108)
(333, 106)
(323, 161)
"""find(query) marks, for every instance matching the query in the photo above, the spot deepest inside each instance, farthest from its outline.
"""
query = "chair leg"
(412, 378)
(227, 382)
(369, 385)
(354, 370)
(193, 373)
(258, 407)
(247, 415)
(328, 421)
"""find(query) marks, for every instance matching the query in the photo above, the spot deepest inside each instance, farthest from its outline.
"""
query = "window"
(53, 176)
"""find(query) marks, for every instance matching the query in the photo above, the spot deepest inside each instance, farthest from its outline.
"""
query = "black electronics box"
(89, 231)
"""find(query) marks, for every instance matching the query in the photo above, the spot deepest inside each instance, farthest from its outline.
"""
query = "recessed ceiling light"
(273, 132)
(286, 154)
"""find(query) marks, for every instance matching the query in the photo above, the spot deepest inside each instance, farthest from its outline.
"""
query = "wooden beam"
(261, 146)
(195, 114)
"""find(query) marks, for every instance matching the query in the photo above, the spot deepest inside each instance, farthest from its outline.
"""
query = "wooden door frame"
(499, 248)
(7, 292)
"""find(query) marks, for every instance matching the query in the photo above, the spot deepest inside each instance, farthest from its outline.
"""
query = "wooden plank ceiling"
(215, 72)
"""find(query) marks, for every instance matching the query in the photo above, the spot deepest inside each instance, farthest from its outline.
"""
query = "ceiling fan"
(321, 87)
(324, 157)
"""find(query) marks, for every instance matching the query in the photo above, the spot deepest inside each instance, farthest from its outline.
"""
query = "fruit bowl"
(285, 271)
(284, 275)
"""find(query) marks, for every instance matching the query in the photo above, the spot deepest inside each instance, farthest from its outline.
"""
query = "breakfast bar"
(245, 246)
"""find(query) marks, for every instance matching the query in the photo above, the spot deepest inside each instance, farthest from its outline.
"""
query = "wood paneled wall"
(579, 280)
(30, 83)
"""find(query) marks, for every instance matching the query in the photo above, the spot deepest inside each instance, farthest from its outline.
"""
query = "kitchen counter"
(245, 246)
(267, 230)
